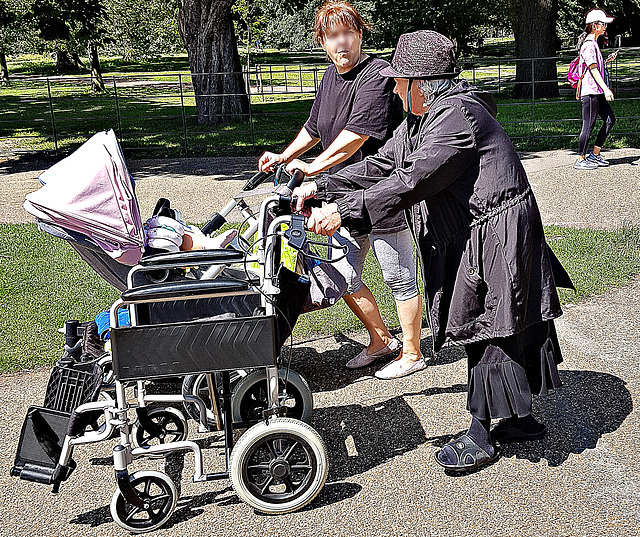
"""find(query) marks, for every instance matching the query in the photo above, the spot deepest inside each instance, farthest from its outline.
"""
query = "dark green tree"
(8, 22)
(146, 29)
(72, 24)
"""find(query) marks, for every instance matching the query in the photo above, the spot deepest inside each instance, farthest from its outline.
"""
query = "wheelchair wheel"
(249, 398)
(106, 364)
(197, 385)
(279, 467)
(172, 427)
(154, 488)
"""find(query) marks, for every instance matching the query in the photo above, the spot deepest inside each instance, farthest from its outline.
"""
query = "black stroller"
(193, 315)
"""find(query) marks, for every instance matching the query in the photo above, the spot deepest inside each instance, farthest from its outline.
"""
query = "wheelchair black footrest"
(43, 474)
(41, 440)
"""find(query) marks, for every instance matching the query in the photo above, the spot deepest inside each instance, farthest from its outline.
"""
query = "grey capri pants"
(394, 252)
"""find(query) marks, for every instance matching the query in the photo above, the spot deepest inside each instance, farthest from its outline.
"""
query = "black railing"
(156, 113)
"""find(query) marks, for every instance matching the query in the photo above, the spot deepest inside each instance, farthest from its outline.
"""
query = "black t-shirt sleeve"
(372, 107)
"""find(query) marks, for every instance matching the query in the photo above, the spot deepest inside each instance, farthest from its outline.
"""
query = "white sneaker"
(363, 359)
(585, 164)
(400, 368)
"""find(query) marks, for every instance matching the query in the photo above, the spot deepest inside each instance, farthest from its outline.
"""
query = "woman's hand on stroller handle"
(297, 238)
(325, 220)
(268, 160)
(302, 194)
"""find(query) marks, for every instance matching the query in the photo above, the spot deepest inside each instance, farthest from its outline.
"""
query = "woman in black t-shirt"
(355, 111)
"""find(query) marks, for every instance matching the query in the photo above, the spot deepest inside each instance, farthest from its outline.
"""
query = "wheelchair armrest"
(194, 257)
(184, 289)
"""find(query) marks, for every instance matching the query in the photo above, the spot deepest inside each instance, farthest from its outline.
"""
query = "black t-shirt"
(360, 101)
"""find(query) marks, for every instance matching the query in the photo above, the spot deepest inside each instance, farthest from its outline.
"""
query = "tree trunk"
(76, 60)
(97, 84)
(63, 61)
(4, 69)
(207, 31)
(534, 28)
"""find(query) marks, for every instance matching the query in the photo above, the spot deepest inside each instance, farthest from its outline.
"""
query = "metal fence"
(155, 114)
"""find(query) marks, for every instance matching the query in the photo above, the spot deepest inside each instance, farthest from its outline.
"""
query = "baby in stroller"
(192, 315)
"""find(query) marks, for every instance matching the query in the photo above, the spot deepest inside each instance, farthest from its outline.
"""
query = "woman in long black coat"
(488, 272)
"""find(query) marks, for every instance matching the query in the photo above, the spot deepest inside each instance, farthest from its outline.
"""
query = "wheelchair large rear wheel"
(249, 397)
(197, 385)
(279, 467)
(157, 490)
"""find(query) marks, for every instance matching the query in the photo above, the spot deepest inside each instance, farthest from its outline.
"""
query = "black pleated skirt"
(505, 372)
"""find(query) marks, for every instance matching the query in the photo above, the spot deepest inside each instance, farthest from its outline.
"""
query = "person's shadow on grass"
(589, 405)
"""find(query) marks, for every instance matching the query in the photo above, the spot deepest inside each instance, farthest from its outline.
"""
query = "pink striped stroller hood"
(91, 192)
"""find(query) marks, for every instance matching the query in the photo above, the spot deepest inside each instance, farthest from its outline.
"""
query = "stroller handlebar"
(296, 180)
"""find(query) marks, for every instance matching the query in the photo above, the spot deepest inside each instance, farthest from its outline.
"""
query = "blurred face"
(417, 97)
(342, 45)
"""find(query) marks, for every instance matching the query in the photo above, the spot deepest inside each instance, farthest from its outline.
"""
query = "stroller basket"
(70, 387)
(177, 349)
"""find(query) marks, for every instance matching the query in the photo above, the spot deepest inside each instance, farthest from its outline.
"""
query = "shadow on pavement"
(633, 161)
(359, 438)
(589, 405)
(326, 371)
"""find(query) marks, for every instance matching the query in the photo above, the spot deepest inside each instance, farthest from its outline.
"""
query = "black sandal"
(470, 455)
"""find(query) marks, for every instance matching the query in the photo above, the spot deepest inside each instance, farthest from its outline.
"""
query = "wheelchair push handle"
(256, 180)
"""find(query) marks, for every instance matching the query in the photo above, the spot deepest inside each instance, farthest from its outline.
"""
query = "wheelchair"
(278, 464)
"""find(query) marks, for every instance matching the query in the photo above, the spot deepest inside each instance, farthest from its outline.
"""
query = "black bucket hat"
(424, 54)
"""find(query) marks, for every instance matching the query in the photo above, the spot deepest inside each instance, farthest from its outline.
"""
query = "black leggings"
(593, 106)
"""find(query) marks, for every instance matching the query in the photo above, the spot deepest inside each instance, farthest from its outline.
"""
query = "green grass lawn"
(154, 113)
(43, 282)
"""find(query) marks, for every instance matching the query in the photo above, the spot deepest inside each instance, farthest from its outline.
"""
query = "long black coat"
(486, 266)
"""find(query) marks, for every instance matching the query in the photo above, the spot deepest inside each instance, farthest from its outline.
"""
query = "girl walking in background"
(593, 91)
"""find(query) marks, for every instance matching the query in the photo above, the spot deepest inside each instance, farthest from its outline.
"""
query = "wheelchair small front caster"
(158, 495)
(279, 467)
(164, 425)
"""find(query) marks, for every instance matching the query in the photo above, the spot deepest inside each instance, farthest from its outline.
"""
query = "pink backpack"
(574, 75)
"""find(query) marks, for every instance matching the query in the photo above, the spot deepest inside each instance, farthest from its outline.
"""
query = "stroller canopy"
(91, 192)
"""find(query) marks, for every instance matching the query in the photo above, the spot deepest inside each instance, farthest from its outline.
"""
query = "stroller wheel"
(167, 425)
(197, 385)
(279, 467)
(154, 488)
(249, 398)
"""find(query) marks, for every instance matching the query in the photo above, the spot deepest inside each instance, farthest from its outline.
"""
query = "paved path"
(583, 479)
(605, 198)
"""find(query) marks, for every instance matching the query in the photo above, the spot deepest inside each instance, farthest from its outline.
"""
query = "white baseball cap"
(597, 15)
